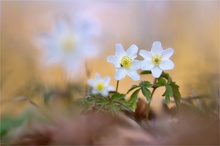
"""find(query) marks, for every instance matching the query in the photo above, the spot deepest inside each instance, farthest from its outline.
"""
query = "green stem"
(154, 88)
(117, 85)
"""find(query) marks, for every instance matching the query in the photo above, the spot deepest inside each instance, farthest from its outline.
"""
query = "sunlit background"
(191, 28)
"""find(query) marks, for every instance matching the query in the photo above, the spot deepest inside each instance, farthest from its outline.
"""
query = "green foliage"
(113, 103)
(132, 88)
(116, 101)
(146, 92)
(160, 82)
(133, 100)
(145, 72)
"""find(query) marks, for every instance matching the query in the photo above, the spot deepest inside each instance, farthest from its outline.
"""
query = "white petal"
(156, 48)
(146, 54)
(104, 93)
(133, 74)
(167, 53)
(91, 82)
(106, 80)
(97, 76)
(114, 60)
(166, 65)
(119, 50)
(156, 71)
(110, 88)
(94, 91)
(147, 65)
(120, 73)
(132, 51)
(136, 64)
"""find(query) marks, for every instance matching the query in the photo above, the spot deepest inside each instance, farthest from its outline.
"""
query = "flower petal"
(132, 51)
(91, 82)
(156, 48)
(146, 54)
(147, 65)
(133, 74)
(94, 91)
(120, 73)
(114, 60)
(156, 71)
(97, 76)
(167, 53)
(106, 80)
(110, 88)
(136, 64)
(119, 50)
(166, 65)
(104, 93)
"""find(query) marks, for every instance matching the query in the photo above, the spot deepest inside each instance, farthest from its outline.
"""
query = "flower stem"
(117, 85)
(154, 88)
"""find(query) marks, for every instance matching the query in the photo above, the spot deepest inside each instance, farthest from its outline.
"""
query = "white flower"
(125, 62)
(100, 85)
(157, 59)
(70, 44)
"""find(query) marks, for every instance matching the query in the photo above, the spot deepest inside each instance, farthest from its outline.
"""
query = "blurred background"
(30, 35)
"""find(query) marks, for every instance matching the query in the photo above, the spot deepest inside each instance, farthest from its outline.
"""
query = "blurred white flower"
(125, 62)
(157, 59)
(100, 85)
(71, 43)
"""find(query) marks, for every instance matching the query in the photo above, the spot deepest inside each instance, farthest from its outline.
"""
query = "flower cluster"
(103, 97)
(125, 63)
(156, 60)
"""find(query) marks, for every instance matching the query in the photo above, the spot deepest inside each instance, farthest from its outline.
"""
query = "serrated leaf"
(132, 88)
(133, 106)
(134, 96)
(167, 99)
(146, 92)
(168, 93)
(117, 96)
(145, 72)
(145, 83)
(176, 92)
(133, 100)
(161, 82)
(167, 77)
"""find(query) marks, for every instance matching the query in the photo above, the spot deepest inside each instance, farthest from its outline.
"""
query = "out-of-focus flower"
(157, 59)
(100, 85)
(125, 62)
(71, 43)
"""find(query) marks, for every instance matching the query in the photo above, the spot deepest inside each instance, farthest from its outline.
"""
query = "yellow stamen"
(100, 86)
(68, 44)
(156, 59)
(126, 62)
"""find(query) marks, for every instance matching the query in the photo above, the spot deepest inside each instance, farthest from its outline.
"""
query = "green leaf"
(146, 92)
(161, 82)
(117, 96)
(132, 88)
(167, 99)
(145, 84)
(176, 92)
(134, 96)
(168, 93)
(133, 106)
(145, 72)
(167, 77)
(133, 100)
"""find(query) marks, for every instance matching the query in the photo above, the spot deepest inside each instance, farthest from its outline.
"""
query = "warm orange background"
(190, 27)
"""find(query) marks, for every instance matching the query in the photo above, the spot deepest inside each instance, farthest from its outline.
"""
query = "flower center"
(100, 86)
(68, 44)
(126, 62)
(156, 59)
